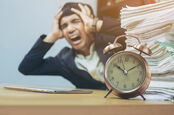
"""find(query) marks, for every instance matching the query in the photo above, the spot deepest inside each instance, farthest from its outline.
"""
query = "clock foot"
(142, 96)
(108, 93)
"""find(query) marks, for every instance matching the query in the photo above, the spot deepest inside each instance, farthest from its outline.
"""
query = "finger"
(58, 12)
(76, 11)
(82, 8)
(87, 10)
(58, 15)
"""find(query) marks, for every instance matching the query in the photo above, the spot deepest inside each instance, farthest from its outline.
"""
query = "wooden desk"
(31, 103)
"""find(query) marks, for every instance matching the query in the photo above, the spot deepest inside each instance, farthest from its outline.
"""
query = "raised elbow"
(22, 70)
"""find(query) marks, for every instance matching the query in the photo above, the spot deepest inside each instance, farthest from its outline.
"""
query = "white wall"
(21, 23)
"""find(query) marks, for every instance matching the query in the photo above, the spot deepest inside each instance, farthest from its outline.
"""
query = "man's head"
(73, 27)
(66, 9)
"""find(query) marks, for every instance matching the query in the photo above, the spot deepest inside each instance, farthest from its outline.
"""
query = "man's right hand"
(56, 33)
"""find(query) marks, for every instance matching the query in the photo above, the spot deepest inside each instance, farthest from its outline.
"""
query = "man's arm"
(55, 33)
(34, 63)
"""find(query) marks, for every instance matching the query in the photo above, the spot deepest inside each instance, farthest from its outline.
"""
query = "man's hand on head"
(86, 16)
(55, 33)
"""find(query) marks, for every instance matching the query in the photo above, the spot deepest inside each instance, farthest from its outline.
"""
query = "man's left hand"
(86, 16)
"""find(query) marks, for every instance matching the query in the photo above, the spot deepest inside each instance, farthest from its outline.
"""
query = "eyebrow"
(72, 20)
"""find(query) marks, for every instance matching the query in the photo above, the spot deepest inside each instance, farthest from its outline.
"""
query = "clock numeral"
(138, 67)
(111, 78)
(125, 86)
(133, 85)
(119, 60)
(133, 61)
(126, 59)
(140, 72)
(116, 84)
(111, 71)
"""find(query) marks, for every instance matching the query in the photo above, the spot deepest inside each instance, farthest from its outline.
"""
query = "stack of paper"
(153, 24)
(162, 59)
(150, 21)
(160, 90)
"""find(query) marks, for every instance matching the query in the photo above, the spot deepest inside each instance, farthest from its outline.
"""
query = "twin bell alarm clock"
(127, 74)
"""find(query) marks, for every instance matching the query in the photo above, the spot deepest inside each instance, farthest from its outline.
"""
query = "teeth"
(74, 37)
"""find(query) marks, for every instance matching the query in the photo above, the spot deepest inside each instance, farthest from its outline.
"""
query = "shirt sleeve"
(34, 62)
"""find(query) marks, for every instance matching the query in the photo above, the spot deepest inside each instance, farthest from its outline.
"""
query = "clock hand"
(132, 68)
(118, 67)
(124, 71)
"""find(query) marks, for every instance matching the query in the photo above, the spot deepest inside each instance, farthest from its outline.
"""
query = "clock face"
(125, 71)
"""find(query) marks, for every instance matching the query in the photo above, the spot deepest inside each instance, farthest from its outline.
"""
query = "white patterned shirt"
(91, 64)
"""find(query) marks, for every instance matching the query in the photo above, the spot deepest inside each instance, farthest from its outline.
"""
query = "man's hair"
(66, 10)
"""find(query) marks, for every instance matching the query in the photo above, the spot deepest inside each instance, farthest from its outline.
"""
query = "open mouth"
(75, 38)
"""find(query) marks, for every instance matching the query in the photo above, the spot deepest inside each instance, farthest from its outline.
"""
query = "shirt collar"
(92, 50)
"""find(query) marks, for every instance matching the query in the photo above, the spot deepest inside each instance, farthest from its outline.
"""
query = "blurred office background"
(21, 23)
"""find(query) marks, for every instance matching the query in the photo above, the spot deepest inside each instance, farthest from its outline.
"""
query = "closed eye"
(63, 26)
(76, 21)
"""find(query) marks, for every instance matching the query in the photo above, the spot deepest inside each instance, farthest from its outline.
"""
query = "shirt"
(91, 64)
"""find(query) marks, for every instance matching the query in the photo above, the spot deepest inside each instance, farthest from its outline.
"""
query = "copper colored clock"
(127, 74)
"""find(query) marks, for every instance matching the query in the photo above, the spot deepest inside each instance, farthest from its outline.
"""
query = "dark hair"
(67, 9)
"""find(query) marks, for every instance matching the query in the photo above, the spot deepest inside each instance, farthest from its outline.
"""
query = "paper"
(153, 24)
(160, 90)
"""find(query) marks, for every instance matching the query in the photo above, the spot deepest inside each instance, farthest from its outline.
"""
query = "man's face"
(74, 32)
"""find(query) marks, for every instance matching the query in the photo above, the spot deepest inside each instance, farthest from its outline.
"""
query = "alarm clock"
(126, 73)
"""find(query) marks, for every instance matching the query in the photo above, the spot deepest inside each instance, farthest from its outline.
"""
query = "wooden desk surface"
(26, 103)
